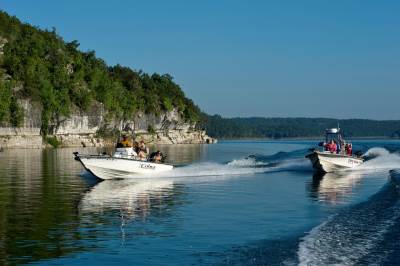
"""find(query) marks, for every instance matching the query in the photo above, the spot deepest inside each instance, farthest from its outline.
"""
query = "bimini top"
(332, 131)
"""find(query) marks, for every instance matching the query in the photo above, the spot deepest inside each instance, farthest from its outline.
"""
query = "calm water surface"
(233, 203)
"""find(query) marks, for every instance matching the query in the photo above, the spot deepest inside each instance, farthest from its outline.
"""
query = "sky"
(282, 58)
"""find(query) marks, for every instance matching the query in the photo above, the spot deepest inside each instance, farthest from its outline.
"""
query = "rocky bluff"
(86, 129)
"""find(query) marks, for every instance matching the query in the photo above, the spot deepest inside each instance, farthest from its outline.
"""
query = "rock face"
(3, 42)
(82, 129)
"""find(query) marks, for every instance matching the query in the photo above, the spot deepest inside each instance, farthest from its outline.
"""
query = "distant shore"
(308, 138)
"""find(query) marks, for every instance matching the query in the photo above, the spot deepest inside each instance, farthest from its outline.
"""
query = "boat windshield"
(337, 137)
(333, 134)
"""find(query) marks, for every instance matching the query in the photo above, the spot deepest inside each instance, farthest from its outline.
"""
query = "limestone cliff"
(82, 129)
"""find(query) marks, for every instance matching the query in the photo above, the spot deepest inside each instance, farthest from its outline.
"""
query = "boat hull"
(330, 162)
(107, 167)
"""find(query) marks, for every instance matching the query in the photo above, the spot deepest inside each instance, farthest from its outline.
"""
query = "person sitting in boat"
(136, 146)
(143, 150)
(327, 146)
(156, 157)
(349, 149)
(143, 146)
(332, 146)
(124, 142)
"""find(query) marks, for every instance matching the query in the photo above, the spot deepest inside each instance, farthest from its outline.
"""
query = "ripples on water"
(240, 203)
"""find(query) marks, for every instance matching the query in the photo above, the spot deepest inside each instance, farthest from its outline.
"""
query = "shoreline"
(306, 138)
(79, 141)
(108, 145)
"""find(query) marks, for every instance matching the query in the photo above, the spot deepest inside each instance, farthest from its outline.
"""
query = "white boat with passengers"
(335, 154)
(124, 163)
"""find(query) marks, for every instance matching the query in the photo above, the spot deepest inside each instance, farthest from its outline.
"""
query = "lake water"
(232, 203)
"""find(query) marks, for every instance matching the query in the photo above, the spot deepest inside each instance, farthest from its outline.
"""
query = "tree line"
(276, 128)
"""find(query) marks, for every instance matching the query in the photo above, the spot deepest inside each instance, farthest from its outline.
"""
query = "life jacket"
(126, 143)
(332, 147)
(349, 150)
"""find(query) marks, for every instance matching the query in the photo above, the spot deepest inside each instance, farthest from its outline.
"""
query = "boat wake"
(379, 159)
(245, 166)
(357, 235)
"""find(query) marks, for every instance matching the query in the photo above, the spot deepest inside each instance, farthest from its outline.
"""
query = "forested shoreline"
(278, 128)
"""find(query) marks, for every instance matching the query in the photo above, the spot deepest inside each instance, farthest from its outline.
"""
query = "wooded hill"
(39, 65)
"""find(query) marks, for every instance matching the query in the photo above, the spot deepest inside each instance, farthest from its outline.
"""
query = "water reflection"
(45, 203)
(128, 203)
(38, 194)
(334, 187)
(130, 197)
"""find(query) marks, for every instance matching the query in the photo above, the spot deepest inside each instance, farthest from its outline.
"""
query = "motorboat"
(124, 163)
(328, 160)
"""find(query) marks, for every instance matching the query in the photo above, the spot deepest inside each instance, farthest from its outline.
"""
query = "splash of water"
(376, 151)
(382, 159)
(246, 162)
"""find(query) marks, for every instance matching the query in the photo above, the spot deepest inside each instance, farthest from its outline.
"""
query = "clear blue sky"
(246, 58)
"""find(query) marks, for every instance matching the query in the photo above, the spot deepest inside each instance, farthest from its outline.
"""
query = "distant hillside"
(276, 128)
(40, 66)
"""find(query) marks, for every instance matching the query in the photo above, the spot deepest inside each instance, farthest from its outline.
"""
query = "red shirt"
(332, 147)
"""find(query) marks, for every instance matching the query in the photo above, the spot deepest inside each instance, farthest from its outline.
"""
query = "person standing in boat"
(338, 147)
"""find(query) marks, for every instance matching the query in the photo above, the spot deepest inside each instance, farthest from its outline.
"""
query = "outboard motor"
(359, 154)
(76, 157)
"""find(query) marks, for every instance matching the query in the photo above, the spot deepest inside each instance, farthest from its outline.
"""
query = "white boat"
(123, 164)
(328, 161)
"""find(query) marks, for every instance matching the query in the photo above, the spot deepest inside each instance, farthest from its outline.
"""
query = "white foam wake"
(209, 171)
(378, 160)
(300, 164)
(246, 162)
(375, 152)
(382, 160)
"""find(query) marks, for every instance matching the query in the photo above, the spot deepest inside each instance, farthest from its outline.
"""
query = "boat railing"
(108, 156)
